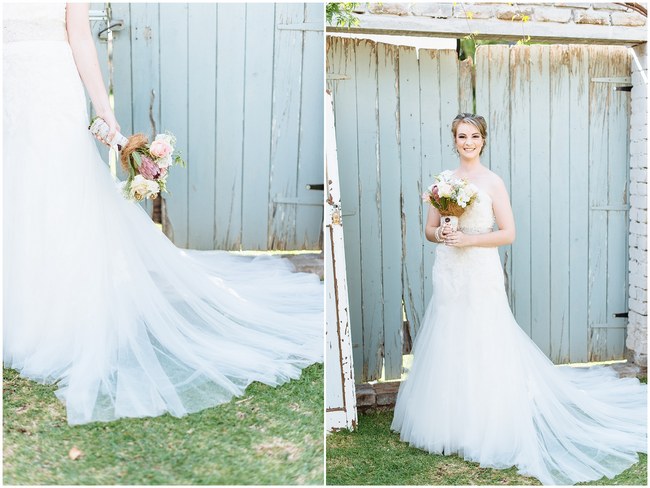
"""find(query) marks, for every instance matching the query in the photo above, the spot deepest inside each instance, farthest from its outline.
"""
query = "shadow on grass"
(268, 436)
(373, 455)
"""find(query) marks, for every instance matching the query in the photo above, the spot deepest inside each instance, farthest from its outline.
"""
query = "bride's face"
(469, 141)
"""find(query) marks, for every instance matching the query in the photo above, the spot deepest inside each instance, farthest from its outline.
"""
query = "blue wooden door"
(240, 85)
(558, 139)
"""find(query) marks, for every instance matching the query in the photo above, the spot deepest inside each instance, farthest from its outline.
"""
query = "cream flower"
(143, 188)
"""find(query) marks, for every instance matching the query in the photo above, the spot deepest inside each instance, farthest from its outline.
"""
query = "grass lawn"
(373, 455)
(268, 436)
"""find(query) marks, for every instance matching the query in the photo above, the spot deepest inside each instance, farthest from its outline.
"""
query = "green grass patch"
(268, 436)
(373, 455)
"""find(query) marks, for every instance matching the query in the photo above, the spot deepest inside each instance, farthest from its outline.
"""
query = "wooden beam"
(492, 29)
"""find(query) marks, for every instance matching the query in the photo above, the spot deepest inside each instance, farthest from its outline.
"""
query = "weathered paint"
(558, 141)
(341, 409)
(390, 105)
(240, 93)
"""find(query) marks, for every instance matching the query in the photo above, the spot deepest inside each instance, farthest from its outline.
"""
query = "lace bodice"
(33, 22)
(479, 216)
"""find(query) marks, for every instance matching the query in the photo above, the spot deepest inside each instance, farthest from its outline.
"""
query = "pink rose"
(149, 169)
(435, 194)
(160, 148)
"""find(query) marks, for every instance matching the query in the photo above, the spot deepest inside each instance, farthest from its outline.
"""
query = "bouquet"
(147, 165)
(451, 196)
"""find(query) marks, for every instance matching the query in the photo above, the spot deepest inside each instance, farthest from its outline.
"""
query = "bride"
(96, 299)
(479, 387)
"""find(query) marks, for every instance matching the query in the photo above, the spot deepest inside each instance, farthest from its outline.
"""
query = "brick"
(608, 6)
(638, 147)
(550, 14)
(637, 227)
(574, 5)
(630, 19)
(638, 202)
(591, 17)
(387, 393)
(637, 254)
(638, 161)
(365, 395)
(638, 129)
(638, 294)
(639, 175)
(639, 215)
(435, 10)
(514, 14)
(638, 306)
(640, 282)
(637, 269)
(641, 190)
(462, 11)
(389, 8)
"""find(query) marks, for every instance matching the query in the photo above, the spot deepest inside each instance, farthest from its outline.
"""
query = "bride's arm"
(85, 57)
(504, 219)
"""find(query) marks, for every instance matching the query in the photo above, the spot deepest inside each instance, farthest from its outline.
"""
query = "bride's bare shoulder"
(494, 184)
(494, 180)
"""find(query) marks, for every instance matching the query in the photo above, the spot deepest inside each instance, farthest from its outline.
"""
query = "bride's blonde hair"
(476, 120)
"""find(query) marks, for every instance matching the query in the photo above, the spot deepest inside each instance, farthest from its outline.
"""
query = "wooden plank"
(559, 223)
(333, 378)
(174, 115)
(493, 102)
(344, 94)
(521, 190)
(339, 369)
(466, 87)
(617, 245)
(202, 45)
(598, 196)
(494, 29)
(412, 209)
(540, 198)
(369, 214)
(432, 96)
(122, 72)
(145, 54)
(391, 241)
(96, 26)
(579, 203)
(258, 92)
(309, 217)
(286, 124)
(449, 103)
(230, 67)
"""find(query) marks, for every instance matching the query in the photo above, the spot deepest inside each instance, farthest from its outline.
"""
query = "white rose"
(165, 162)
(444, 189)
(446, 174)
(143, 188)
(471, 190)
(168, 138)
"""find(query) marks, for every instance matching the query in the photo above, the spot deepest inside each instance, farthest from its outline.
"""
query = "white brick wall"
(637, 332)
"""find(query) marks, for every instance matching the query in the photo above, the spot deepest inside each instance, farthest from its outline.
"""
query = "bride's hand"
(113, 127)
(445, 232)
(458, 239)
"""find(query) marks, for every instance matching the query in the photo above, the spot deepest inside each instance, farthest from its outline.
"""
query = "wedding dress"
(96, 299)
(481, 388)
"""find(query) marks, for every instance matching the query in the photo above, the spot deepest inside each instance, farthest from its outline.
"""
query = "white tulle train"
(95, 297)
(479, 387)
